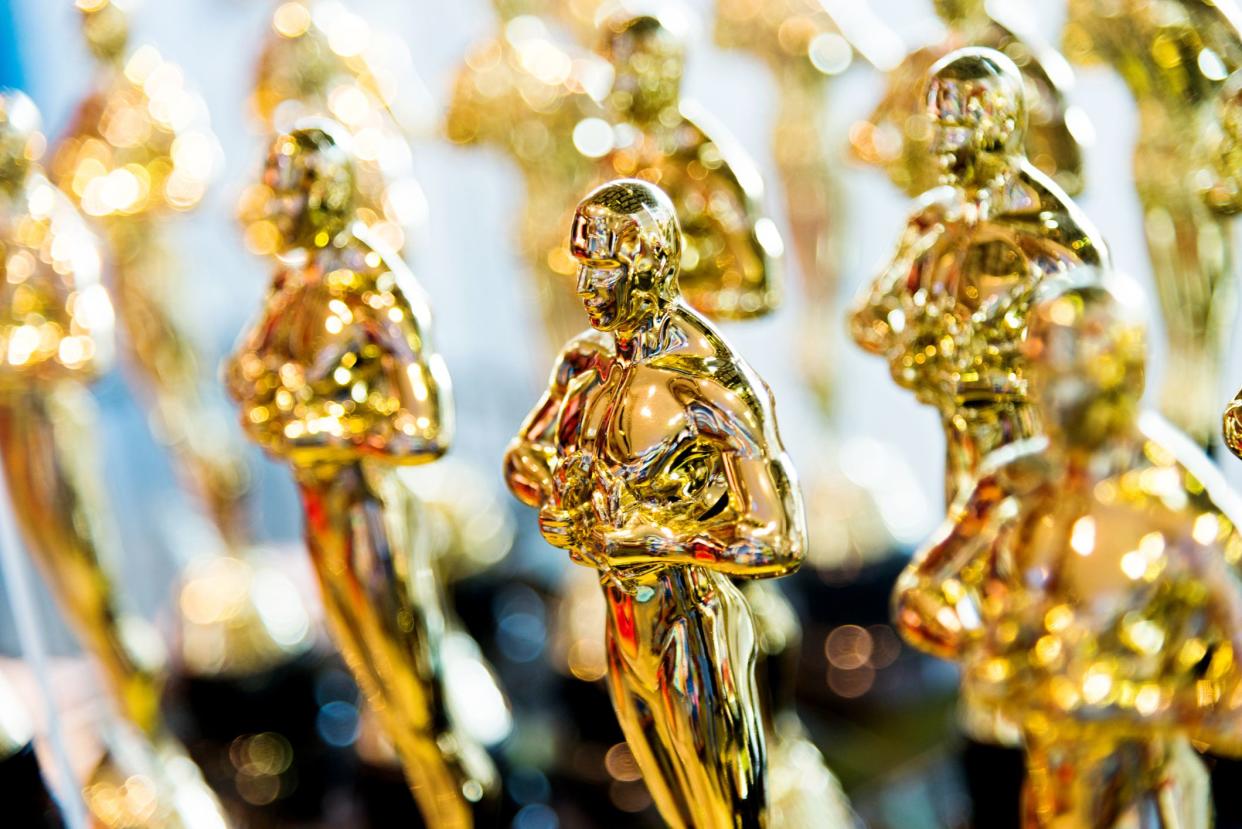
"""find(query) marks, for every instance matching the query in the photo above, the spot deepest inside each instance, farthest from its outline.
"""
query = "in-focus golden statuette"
(1087, 582)
(1175, 56)
(949, 310)
(55, 335)
(730, 262)
(898, 137)
(654, 458)
(338, 377)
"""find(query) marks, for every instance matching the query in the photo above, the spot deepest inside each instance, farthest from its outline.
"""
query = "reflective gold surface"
(1174, 56)
(338, 378)
(139, 148)
(730, 262)
(654, 458)
(319, 58)
(1087, 581)
(897, 137)
(537, 100)
(949, 310)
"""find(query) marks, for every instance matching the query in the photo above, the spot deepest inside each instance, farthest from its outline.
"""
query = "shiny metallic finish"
(896, 135)
(1087, 581)
(339, 378)
(319, 58)
(1175, 57)
(55, 330)
(654, 458)
(949, 310)
(731, 249)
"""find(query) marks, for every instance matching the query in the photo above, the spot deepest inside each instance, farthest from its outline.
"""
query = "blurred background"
(882, 717)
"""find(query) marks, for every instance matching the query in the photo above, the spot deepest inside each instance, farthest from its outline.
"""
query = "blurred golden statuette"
(55, 335)
(730, 263)
(1087, 581)
(654, 458)
(138, 151)
(949, 311)
(1175, 57)
(898, 137)
(338, 377)
(320, 58)
(538, 100)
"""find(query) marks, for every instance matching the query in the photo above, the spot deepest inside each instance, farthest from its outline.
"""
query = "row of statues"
(1085, 577)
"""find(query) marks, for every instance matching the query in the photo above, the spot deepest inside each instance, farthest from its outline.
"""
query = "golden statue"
(538, 101)
(730, 265)
(320, 58)
(949, 310)
(654, 458)
(55, 336)
(138, 149)
(897, 137)
(1087, 582)
(338, 378)
(1175, 56)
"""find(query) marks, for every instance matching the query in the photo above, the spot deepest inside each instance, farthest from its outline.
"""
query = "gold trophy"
(730, 264)
(338, 377)
(654, 458)
(1175, 56)
(897, 137)
(55, 334)
(319, 58)
(538, 101)
(949, 310)
(1087, 581)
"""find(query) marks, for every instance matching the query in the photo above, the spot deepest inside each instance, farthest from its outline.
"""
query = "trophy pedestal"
(24, 793)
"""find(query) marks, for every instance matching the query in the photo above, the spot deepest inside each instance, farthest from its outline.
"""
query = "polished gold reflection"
(654, 459)
(1088, 584)
(56, 324)
(897, 135)
(338, 377)
(138, 151)
(949, 311)
(56, 335)
(730, 261)
(1175, 55)
(319, 58)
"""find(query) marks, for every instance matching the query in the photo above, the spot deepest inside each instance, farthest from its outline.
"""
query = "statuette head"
(627, 242)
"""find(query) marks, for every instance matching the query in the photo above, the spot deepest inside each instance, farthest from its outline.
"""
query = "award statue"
(1189, 235)
(55, 335)
(338, 377)
(1087, 581)
(654, 458)
(731, 259)
(897, 136)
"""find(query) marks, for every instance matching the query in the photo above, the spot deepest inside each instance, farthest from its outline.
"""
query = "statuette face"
(896, 135)
(1087, 581)
(654, 458)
